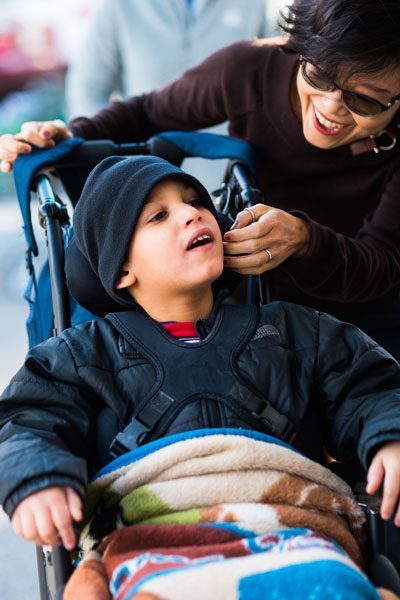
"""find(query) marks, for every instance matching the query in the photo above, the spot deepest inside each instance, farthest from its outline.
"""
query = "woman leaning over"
(322, 113)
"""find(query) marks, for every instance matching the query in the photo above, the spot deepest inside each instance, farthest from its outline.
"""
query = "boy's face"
(176, 247)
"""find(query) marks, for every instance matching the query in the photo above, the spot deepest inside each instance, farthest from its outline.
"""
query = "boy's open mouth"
(200, 238)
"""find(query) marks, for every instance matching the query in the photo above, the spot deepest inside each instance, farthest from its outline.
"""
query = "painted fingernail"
(227, 237)
(26, 149)
(235, 225)
(46, 133)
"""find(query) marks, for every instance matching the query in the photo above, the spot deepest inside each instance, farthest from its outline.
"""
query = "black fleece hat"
(109, 207)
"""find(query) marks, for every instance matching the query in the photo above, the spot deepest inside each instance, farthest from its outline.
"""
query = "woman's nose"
(335, 97)
(334, 102)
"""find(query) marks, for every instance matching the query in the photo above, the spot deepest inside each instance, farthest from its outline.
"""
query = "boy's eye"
(159, 216)
(195, 202)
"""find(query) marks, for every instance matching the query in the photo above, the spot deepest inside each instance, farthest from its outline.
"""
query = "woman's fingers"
(56, 129)
(12, 144)
(5, 166)
(34, 133)
(251, 245)
(252, 264)
(8, 159)
(249, 215)
(37, 133)
(254, 237)
(257, 247)
(264, 238)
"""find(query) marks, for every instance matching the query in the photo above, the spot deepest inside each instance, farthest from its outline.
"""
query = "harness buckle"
(129, 438)
(278, 424)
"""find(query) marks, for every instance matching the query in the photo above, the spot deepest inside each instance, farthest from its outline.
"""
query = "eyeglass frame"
(333, 86)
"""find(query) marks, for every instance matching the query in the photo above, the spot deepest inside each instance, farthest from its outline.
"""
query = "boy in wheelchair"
(177, 359)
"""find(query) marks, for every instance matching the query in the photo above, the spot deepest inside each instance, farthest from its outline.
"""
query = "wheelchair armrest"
(54, 569)
(381, 570)
(355, 476)
(376, 526)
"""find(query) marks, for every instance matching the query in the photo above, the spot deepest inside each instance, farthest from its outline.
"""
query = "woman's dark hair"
(355, 36)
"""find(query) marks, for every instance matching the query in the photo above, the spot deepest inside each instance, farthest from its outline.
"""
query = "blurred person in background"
(133, 47)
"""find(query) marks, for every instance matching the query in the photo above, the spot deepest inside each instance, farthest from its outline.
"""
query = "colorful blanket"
(222, 514)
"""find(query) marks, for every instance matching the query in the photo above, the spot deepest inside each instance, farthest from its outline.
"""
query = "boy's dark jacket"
(332, 381)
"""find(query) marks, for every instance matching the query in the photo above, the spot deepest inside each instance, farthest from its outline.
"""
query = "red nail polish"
(46, 133)
(227, 237)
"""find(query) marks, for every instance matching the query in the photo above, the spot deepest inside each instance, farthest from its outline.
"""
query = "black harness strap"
(182, 372)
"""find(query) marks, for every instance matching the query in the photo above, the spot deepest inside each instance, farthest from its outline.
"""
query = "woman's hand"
(264, 241)
(385, 468)
(46, 516)
(37, 133)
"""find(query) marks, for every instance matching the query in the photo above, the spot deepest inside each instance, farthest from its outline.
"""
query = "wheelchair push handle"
(53, 217)
(92, 152)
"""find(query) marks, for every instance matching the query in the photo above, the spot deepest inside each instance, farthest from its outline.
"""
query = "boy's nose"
(192, 215)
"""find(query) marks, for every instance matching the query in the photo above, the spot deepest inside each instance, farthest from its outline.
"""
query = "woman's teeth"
(326, 123)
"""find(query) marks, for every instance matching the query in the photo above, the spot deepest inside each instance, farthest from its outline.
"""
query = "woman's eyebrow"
(375, 88)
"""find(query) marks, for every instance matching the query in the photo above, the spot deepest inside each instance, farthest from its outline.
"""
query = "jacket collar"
(204, 326)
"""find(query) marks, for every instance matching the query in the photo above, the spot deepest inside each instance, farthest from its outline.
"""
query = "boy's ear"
(126, 277)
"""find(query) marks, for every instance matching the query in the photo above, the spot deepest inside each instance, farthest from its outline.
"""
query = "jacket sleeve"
(358, 385)
(45, 425)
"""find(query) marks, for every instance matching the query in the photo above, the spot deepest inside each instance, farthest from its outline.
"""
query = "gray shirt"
(135, 46)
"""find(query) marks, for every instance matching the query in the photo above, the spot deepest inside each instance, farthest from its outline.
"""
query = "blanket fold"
(210, 511)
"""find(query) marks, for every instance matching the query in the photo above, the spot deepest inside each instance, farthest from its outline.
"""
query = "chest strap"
(187, 372)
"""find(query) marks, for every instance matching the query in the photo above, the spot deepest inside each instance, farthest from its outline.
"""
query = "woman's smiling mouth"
(325, 126)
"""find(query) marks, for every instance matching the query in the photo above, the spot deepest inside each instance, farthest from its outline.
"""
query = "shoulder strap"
(182, 372)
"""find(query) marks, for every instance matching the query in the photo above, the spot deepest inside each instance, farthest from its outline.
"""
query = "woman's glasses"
(357, 103)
